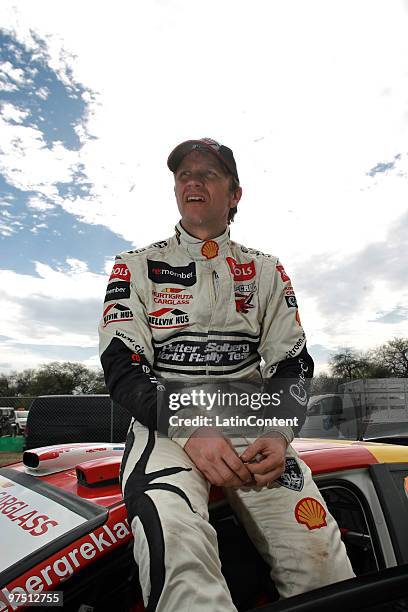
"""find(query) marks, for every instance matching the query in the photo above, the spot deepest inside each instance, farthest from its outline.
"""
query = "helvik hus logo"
(115, 313)
(168, 318)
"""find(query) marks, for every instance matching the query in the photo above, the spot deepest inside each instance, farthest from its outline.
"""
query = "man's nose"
(196, 177)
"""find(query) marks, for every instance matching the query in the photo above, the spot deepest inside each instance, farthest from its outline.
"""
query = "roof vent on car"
(52, 459)
(99, 472)
(31, 460)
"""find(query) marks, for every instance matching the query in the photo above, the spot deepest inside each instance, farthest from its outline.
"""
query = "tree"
(23, 382)
(350, 364)
(65, 379)
(98, 383)
(393, 357)
(53, 379)
(323, 383)
(6, 386)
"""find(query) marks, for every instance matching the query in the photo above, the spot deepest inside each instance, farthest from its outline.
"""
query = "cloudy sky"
(312, 96)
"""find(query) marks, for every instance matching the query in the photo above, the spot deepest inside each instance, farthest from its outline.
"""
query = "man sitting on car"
(198, 306)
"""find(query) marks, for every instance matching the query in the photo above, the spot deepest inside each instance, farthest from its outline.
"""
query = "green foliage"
(386, 361)
(53, 378)
(5, 389)
(323, 383)
(350, 364)
(393, 357)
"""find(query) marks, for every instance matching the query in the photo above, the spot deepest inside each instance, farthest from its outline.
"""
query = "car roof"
(322, 456)
(84, 482)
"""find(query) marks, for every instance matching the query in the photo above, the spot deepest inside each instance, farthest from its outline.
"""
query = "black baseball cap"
(224, 154)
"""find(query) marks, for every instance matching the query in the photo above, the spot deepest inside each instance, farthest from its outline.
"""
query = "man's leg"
(175, 546)
(294, 531)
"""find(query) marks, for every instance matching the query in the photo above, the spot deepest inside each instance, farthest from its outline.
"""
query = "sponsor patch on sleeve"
(117, 313)
(282, 273)
(291, 301)
(117, 290)
(120, 271)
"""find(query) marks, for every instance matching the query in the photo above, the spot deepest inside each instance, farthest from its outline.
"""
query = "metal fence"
(57, 419)
(17, 403)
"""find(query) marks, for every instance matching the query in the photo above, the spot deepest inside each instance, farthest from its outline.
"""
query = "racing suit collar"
(202, 250)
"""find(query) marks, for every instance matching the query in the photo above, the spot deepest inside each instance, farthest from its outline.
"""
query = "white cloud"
(5, 229)
(59, 307)
(24, 157)
(15, 74)
(76, 283)
(77, 266)
(360, 300)
(92, 362)
(13, 113)
(43, 93)
(305, 104)
(39, 203)
(310, 96)
(38, 227)
(108, 265)
(20, 357)
(7, 87)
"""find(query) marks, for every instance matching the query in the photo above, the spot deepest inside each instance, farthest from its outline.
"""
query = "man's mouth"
(194, 198)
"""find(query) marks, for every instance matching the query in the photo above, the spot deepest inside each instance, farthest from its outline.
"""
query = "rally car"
(63, 524)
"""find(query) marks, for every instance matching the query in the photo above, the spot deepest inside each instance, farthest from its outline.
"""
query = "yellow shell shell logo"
(311, 513)
(210, 249)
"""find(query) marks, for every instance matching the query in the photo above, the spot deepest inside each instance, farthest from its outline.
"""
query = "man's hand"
(272, 464)
(216, 458)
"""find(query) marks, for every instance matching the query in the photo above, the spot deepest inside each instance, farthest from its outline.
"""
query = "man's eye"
(211, 173)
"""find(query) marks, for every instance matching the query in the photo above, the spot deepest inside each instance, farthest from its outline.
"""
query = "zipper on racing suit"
(214, 291)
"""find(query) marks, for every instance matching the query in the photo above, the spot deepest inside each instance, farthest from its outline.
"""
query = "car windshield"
(357, 409)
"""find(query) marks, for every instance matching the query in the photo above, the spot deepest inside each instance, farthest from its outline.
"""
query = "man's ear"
(236, 197)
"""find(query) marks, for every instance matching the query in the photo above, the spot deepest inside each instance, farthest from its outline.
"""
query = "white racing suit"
(193, 310)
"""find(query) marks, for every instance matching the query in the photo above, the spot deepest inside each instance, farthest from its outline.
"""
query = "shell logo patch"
(311, 513)
(210, 249)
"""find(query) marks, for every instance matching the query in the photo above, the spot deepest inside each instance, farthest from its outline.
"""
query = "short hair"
(234, 184)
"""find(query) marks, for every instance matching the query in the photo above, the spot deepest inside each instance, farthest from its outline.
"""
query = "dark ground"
(6, 458)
